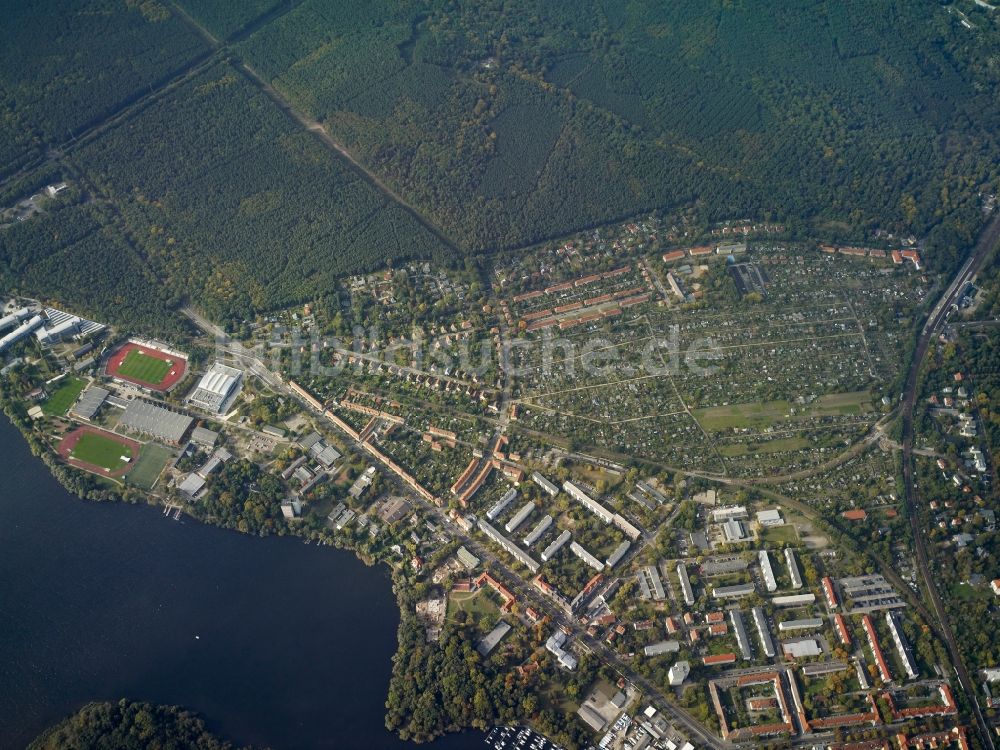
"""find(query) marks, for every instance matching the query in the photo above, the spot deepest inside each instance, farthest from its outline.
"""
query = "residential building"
(760, 622)
(555, 546)
(767, 571)
(678, 673)
(686, 590)
(588, 502)
(793, 568)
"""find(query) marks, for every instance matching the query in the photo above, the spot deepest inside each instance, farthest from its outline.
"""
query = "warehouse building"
(217, 388)
(146, 418)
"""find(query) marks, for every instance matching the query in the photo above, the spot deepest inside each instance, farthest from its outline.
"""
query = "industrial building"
(770, 517)
(734, 531)
(555, 546)
(536, 533)
(793, 568)
(767, 571)
(217, 388)
(146, 418)
(727, 512)
(760, 622)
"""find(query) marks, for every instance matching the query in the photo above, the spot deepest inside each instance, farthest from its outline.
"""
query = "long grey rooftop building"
(147, 418)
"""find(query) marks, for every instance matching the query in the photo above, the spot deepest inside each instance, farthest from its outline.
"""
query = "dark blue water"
(104, 601)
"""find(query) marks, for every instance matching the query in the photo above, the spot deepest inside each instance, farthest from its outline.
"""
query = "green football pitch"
(139, 366)
(101, 451)
(63, 397)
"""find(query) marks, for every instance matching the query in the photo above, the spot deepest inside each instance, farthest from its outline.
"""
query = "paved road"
(498, 567)
(987, 241)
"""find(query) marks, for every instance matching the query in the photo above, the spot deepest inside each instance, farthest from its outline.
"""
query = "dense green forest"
(223, 18)
(509, 122)
(63, 66)
(236, 206)
(502, 122)
(126, 726)
(75, 256)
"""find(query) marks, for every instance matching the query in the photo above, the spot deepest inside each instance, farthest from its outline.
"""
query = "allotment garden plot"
(737, 378)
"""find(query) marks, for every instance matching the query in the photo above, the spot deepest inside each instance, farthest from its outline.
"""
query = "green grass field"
(769, 446)
(765, 413)
(475, 604)
(776, 535)
(101, 451)
(64, 397)
(143, 367)
(152, 458)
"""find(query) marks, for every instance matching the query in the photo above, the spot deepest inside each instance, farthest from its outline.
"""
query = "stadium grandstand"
(60, 326)
(146, 418)
(89, 403)
(217, 388)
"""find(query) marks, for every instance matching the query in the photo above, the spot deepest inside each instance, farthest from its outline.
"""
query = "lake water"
(273, 641)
